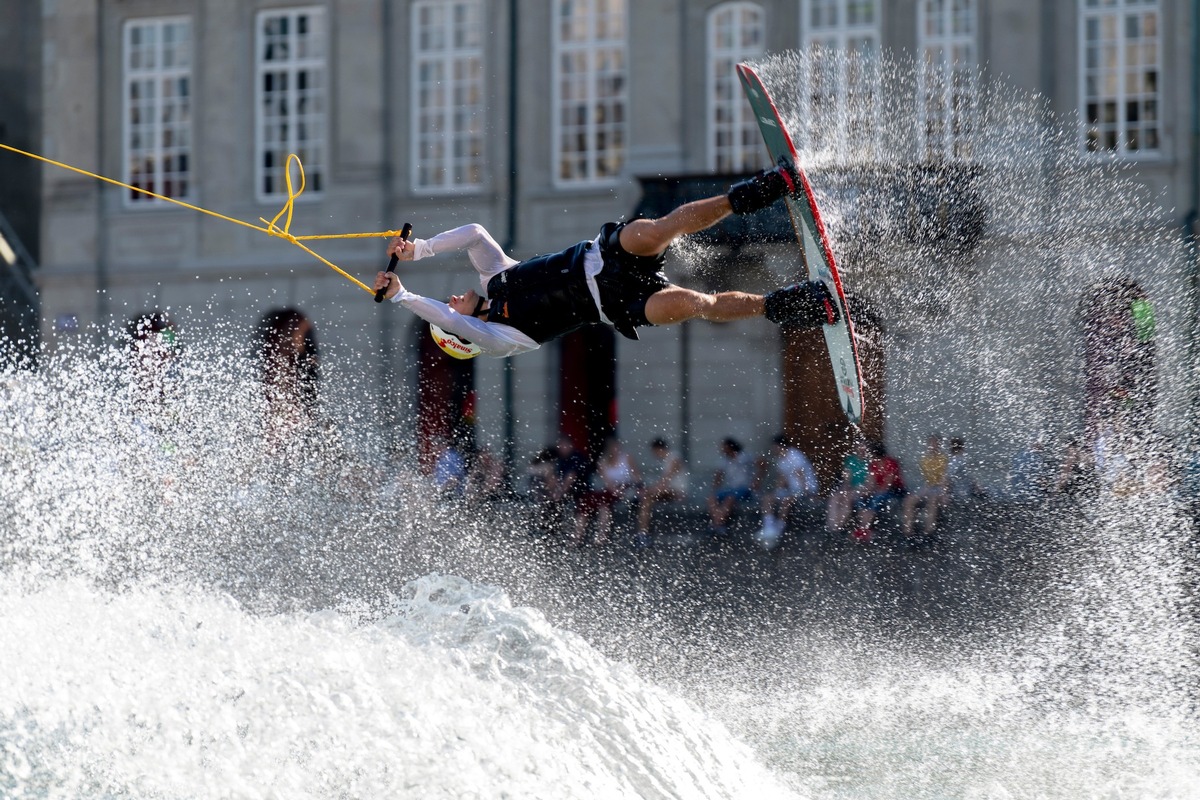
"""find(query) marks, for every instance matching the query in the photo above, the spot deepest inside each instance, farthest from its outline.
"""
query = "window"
(841, 73)
(158, 108)
(291, 98)
(447, 136)
(590, 96)
(736, 33)
(946, 44)
(1119, 75)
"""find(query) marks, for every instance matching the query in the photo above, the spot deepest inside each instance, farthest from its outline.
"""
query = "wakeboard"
(814, 246)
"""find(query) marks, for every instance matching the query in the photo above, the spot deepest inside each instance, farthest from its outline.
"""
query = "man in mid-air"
(616, 278)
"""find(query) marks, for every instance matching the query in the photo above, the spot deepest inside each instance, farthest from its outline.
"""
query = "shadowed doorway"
(812, 416)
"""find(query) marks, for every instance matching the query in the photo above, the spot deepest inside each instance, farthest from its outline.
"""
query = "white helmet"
(452, 345)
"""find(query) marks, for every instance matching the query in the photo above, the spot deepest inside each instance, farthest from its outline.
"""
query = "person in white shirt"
(796, 480)
(616, 278)
(733, 484)
(670, 486)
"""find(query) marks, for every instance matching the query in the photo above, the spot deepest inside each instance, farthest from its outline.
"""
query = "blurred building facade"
(541, 120)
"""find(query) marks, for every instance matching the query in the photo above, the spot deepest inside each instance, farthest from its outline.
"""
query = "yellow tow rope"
(270, 228)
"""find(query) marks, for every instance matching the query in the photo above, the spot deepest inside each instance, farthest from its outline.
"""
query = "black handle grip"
(405, 232)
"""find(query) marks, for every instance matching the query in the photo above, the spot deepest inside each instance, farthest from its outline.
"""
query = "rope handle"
(391, 267)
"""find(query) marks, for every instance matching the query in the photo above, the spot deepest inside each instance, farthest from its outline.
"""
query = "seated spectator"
(1191, 481)
(1028, 479)
(449, 469)
(934, 466)
(1114, 459)
(852, 486)
(1076, 478)
(732, 485)
(485, 475)
(288, 360)
(543, 488)
(885, 485)
(960, 482)
(670, 486)
(795, 480)
(572, 474)
(619, 480)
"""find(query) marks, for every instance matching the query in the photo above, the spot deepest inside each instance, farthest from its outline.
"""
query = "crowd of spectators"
(769, 495)
(612, 497)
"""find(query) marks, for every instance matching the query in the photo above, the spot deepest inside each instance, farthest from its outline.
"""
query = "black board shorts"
(627, 281)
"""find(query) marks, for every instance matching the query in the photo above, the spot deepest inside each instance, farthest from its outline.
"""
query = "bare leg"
(931, 514)
(837, 511)
(908, 513)
(676, 304)
(649, 237)
(646, 509)
(785, 508)
(604, 524)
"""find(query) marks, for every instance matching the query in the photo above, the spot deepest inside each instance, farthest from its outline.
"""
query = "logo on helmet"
(452, 345)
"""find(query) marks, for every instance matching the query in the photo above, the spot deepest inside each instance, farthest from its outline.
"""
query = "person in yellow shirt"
(935, 470)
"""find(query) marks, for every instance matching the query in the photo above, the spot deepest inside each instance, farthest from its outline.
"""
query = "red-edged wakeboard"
(814, 246)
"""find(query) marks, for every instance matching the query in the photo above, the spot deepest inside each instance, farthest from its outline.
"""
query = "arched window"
(736, 33)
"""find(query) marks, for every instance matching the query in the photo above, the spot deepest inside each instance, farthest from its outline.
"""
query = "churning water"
(196, 601)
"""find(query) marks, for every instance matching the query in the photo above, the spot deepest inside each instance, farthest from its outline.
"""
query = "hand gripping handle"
(405, 232)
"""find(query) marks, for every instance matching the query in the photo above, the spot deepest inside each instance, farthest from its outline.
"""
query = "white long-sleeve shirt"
(494, 338)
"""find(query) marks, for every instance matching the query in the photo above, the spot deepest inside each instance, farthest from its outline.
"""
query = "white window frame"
(153, 128)
(947, 66)
(1118, 92)
(745, 153)
(845, 37)
(593, 50)
(315, 168)
(460, 130)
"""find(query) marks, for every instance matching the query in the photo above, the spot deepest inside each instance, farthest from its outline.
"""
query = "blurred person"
(543, 488)
(670, 486)
(934, 466)
(1076, 477)
(572, 482)
(885, 485)
(153, 348)
(853, 485)
(289, 369)
(732, 484)
(1112, 454)
(960, 480)
(795, 481)
(485, 474)
(450, 469)
(1028, 478)
(619, 480)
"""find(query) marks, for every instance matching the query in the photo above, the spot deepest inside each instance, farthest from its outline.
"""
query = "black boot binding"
(755, 194)
(803, 305)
